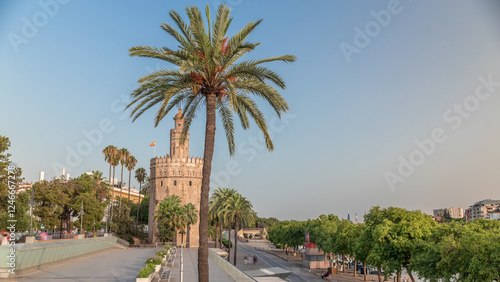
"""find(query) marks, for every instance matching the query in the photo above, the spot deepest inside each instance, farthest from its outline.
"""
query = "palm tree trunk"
(235, 238)
(229, 245)
(138, 206)
(205, 188)
(121, 190)
(379, 271)
(112, 192)
(216, 235)
(220, 234)
(129, 184)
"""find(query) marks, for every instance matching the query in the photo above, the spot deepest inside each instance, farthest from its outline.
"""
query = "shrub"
(146, 271)
(161, 254)
(155, 260)
(226, 243)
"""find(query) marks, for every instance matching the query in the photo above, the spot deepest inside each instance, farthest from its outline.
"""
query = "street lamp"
(81, 213)
(31, 203)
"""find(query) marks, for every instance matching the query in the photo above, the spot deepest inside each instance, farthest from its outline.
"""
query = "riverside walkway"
(116, 265)
(191, 268)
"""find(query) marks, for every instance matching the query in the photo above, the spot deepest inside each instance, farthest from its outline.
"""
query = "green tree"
(467, 252)
(396, 234)
(131, 163)
(21, 211)
(123, 155)
(9, 174)
(208, 73)
(140, 174)
(238, 209)
(219, 198)
(170, 218)
(191, 214)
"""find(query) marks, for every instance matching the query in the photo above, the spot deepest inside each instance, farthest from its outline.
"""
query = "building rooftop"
(487, 201)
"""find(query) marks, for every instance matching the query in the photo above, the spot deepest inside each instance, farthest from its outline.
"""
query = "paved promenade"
(191, 268)
(117, 265)
(109, 265)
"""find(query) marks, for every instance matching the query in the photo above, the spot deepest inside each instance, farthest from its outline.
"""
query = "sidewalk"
(191, 268)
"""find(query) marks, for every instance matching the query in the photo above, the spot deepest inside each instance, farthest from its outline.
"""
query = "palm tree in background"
(209, 76)
(215, 205)
(218, 200)
(238, 209)
(109, 154)
(100, 187)
(170, 215)
(140, 174)
(131, 163)
(214, 220)
(145, 187)
(124, 155)
(191, 215)
(97, 175)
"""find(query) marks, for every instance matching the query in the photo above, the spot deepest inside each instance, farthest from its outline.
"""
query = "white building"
(483, 209)
(453, 212)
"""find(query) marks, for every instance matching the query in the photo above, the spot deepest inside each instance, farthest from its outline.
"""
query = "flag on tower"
(349, 217)
(356, 218)
(152, 144)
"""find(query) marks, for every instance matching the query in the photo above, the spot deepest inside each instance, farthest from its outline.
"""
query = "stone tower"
(176, 174)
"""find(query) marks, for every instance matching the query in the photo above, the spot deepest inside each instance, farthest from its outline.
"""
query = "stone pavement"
(191, 268)
(109, 265)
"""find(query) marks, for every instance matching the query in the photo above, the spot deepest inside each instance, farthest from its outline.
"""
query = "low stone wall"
(230, 269)
(28, 256)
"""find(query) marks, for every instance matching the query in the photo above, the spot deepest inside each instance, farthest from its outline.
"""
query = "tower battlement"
(169, 159)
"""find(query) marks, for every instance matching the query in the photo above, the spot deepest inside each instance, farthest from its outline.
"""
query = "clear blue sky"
(354, 110)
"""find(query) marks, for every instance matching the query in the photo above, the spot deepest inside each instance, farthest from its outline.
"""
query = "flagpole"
(155, 148)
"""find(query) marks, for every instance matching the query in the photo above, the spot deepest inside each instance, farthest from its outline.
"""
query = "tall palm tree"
(191, 215)
(131, 163)
(238, 209)
(109, 154)
(209, 75)
(97, 176)
(145, 187)
(171, 216)
(213, 220)
(124, 155)
(140, 174)
(114, 159)
(217, 202)
(100, 188)
(219, 196)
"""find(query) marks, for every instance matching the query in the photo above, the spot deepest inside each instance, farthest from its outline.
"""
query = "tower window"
(190, 183)
(161, 183)
(179, 124)
(175, 182)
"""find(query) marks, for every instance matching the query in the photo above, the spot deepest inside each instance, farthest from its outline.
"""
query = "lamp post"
(81, 213)
(31, 203)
